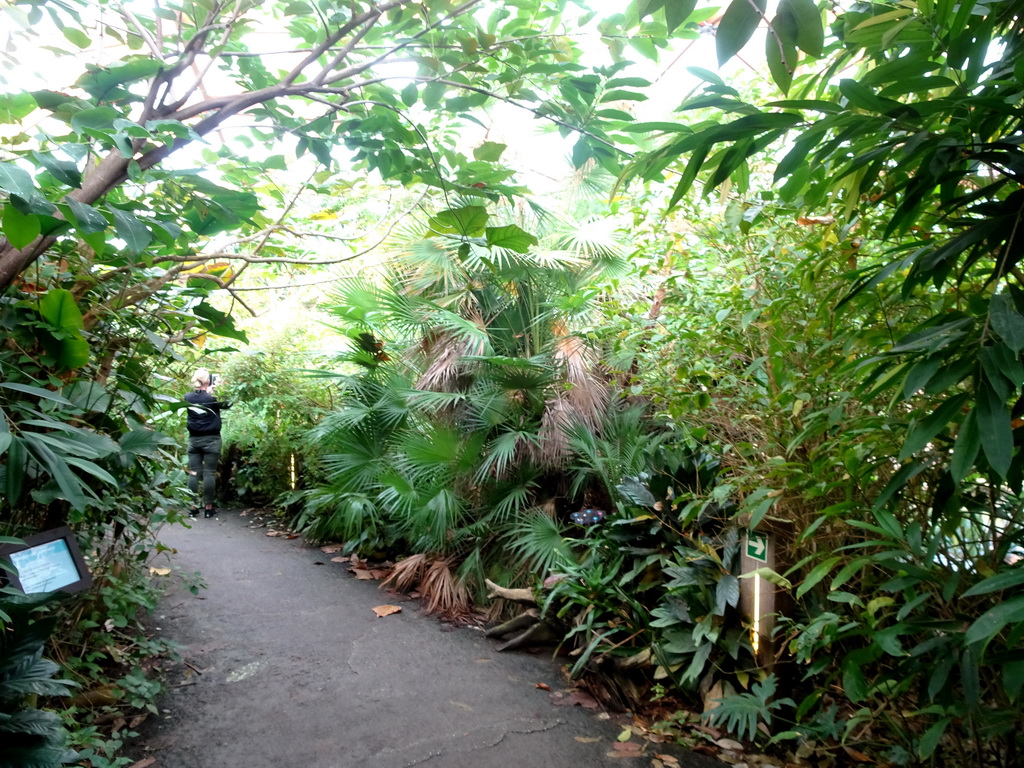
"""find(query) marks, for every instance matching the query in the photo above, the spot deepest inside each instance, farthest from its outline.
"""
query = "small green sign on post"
(757, 547)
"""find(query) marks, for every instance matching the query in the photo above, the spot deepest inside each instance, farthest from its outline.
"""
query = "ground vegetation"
(789, 308)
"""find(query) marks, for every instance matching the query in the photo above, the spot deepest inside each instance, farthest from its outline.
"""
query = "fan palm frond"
(510, 499)
(406, 573)
(430, 265)
(354, 300)
(538, 543)
(359, 466)
(398, 495)
(352, 517)
(477, 259)
(473, 573)
(433, 527)
(487, 407)
(331, 429)
(594, 237)
(620, 451)
(431, 400)
(501, 453)
(430, 453)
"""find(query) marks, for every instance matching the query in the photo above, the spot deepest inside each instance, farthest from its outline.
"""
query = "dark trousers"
(203, 455)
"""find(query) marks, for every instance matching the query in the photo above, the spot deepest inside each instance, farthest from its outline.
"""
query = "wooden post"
(757, 595)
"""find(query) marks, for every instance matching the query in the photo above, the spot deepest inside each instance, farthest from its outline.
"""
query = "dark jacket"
(204, 413)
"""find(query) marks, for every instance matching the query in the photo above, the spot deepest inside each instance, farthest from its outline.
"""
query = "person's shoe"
(211, 512)
(193, 513)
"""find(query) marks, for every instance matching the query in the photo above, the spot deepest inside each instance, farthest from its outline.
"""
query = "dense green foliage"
(804, 316)
(31, 735)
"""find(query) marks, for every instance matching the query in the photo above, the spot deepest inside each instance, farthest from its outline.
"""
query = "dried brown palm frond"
(406, 574)
(445, 365)
(444, 592)
(446, 352)
(552, 447)
(588, 392)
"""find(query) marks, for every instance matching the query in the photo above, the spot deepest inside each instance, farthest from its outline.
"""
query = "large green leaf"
(677, 12)
(997, 583)
(134, 233)
(780, 49)
(72, 488)
(16, 181)
(19, 228)
(90, 396)
(966, 447)
(59, 309)
(16, 106)
(45, 394)
(70, 348)
(990, 623)
(62, 170)
(219, 323)
(737, 27)
(99, 119)
(87, 218)
(470, 221)
(489, 151)
(1007, 321)
(810, 30)
(511, 237)
(994, 426)
(104, 83)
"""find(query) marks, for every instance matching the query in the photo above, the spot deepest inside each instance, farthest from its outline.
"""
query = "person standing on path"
(204, 439)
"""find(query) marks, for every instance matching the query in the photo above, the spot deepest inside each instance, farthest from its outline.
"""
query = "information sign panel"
(47, 562)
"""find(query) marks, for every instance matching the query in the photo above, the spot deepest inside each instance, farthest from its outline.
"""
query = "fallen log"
(529, 628)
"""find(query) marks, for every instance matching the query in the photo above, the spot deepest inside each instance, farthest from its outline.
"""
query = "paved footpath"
(287, 666)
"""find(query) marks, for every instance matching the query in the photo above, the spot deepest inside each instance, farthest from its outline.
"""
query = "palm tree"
(474, 369)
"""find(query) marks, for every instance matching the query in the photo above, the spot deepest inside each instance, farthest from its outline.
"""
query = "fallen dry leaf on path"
(362, 574)
(387, 610)
(160, 571)
(588, 739)
(575, 698)
(729, 744)
(543, 686)
(629, 747)
(339, 559)
(626, 749)
(144, 763)
(330, 549)
(273, 533)
(857, 755)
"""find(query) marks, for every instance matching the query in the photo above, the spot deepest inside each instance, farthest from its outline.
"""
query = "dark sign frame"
(42, 542)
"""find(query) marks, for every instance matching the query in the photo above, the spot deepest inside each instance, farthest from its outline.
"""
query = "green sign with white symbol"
(757, 547)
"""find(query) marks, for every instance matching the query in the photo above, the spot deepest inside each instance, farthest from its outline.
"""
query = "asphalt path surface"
(285, 665)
